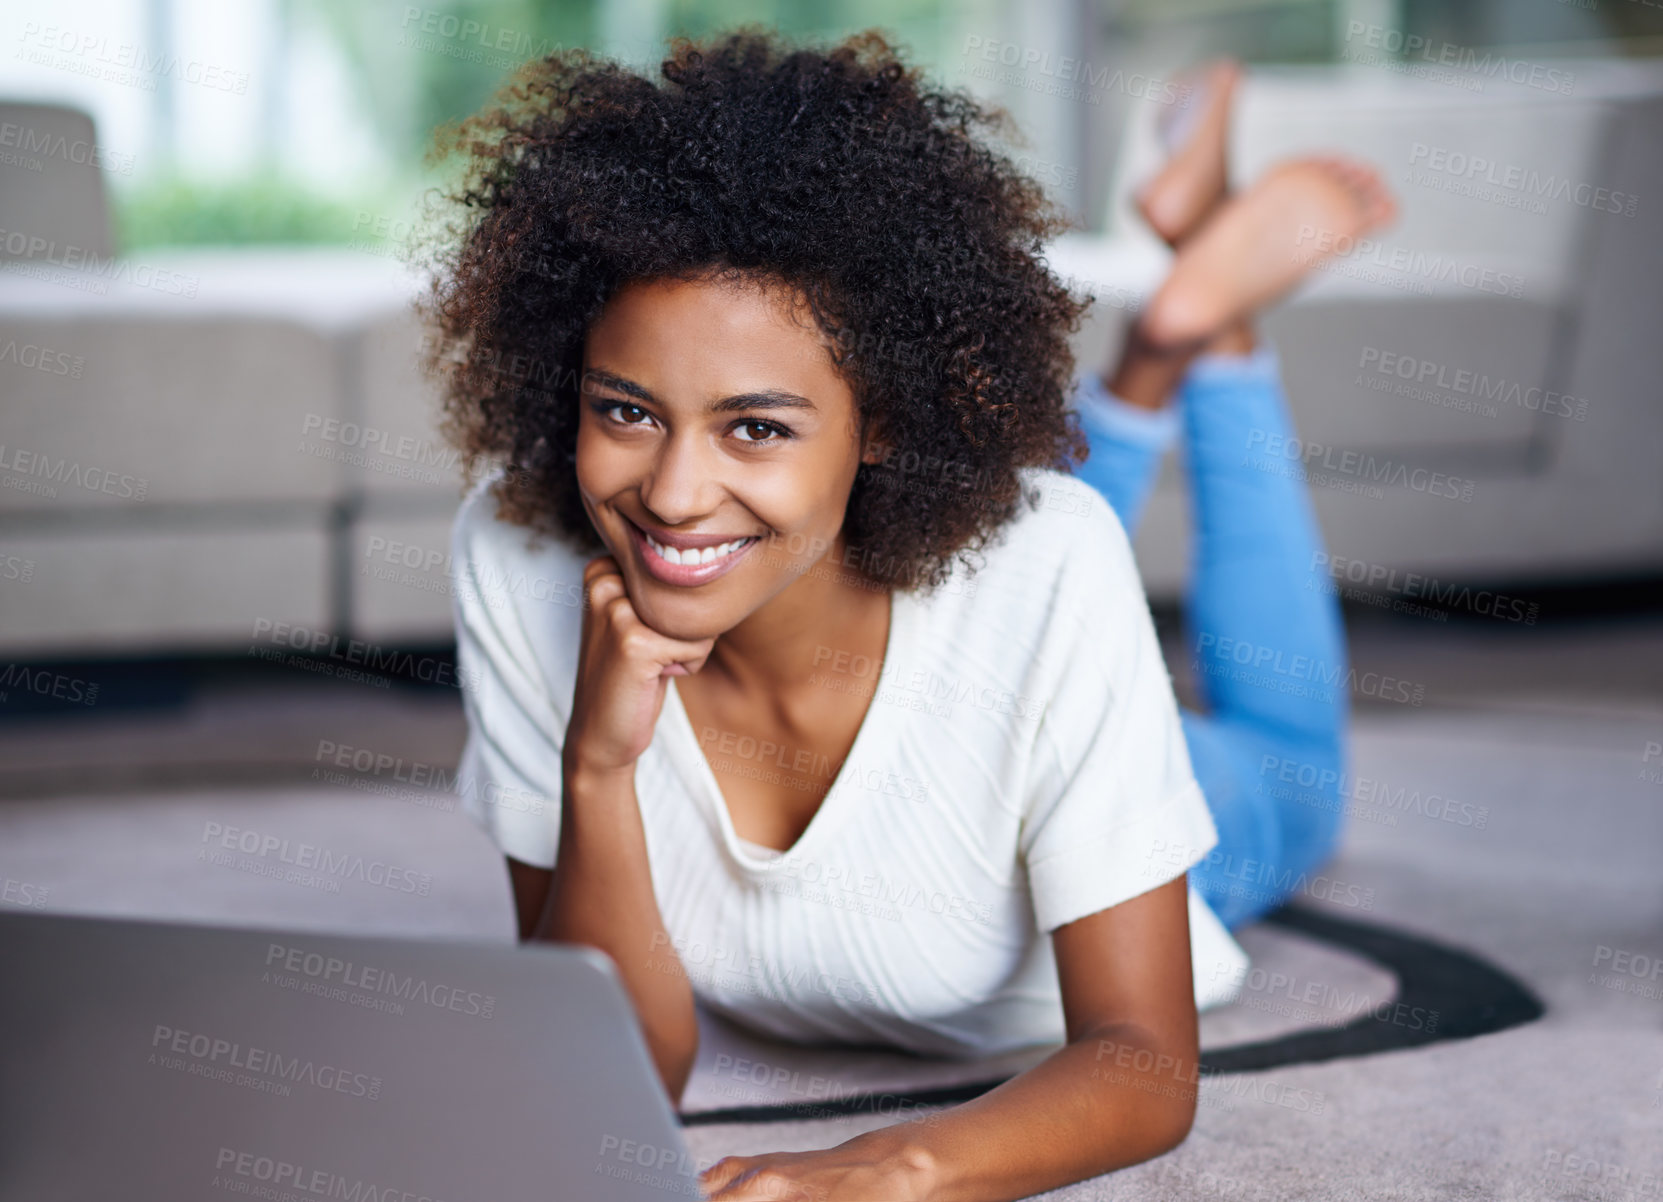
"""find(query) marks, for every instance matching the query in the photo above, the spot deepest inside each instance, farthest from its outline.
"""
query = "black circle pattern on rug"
(1470, 996)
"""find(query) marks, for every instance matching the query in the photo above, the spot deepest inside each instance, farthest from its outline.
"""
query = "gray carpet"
(1567, 863)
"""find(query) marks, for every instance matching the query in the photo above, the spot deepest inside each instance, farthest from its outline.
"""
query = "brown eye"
(606, 409)
(766, 428)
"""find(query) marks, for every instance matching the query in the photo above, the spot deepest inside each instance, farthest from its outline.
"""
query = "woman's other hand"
(858, 1170)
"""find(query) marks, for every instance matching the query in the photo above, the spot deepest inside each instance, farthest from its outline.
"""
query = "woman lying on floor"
(831, 697)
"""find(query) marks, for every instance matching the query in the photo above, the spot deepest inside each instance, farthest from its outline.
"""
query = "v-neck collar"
(690, 758)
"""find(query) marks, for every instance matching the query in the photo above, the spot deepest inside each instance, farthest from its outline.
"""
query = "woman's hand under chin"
(858, 1170)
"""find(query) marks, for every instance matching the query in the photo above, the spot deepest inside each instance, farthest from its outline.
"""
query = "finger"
(685, 659)
(742, 1190)
(692, 667)
(662, 647)
(761, 1184)
(600, 566)
(602, 580)
(604, 592)
(723, 1173)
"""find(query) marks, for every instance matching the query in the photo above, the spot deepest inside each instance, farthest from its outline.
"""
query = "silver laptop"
(164, 1062)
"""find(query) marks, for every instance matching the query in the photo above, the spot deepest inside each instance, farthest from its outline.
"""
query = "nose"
(681, 484)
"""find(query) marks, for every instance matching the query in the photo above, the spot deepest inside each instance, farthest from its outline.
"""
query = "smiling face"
(711, 414)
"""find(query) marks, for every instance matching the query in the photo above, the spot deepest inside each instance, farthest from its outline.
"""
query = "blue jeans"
(1263, 634)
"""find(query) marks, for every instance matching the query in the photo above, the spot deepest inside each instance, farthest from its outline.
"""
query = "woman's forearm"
(601, 895)
(1111, 1098)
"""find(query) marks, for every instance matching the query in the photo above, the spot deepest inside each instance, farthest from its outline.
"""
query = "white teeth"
(690, 556)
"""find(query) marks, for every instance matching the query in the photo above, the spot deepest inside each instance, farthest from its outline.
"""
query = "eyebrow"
(764, 398)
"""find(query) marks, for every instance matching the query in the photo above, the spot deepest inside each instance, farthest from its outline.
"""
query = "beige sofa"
(195, 457)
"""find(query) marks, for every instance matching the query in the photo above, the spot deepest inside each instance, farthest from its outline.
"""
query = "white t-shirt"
(1020, 765)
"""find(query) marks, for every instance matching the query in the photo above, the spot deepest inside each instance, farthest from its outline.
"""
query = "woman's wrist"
(916, 1173)
(581, 777)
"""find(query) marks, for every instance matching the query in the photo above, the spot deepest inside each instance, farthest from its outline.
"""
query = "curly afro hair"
(839, 172)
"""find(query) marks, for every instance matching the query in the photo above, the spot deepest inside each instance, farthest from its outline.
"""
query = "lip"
(686, 575)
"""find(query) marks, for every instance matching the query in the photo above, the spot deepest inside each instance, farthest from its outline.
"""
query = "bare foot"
(1196, 132)
(1261, 243)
